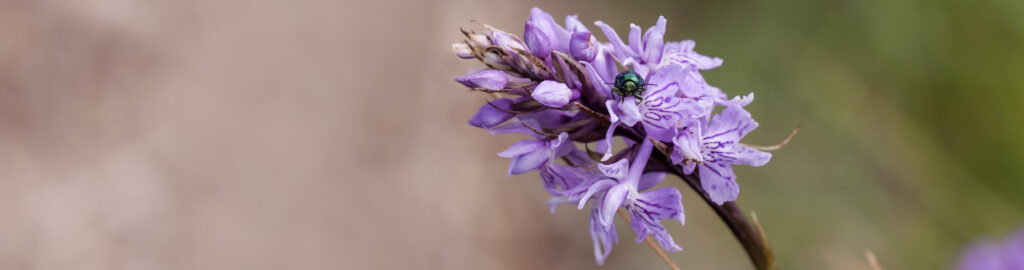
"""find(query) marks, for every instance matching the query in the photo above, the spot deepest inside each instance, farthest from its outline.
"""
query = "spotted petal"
(650, 208)
(719, 182)
(604, 237)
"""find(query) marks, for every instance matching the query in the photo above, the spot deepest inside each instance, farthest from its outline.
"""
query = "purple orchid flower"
(642, 54)
(715, 149)
(551, 84)
(529, 154)
(622, 187)
(661, 111)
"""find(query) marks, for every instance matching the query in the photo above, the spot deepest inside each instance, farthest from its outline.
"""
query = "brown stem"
(747, 234)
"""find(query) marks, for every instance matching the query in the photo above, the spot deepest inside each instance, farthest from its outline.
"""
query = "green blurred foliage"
(910, 141)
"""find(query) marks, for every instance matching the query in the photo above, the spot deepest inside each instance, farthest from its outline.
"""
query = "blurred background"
(330, 135)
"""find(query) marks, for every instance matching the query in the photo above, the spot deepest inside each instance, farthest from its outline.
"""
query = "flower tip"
(462, 50)
(581, 48)
(539, 41)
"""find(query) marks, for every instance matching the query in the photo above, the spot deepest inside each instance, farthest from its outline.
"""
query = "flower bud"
(462, 50)
(581, 48)
(552, 94)
(491, 114)
(540, 43)
(487, 79)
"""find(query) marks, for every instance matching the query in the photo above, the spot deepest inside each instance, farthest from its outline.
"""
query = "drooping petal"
(552, 94)
(609, 135)
(611, 202)
(604, 237)
(594, 188)
(719, 181)
(617, 170)
(489, 116)
(650, 208)
(487, 79)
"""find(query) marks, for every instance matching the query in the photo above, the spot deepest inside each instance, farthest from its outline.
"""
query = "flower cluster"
(991, 255)
(564, 88)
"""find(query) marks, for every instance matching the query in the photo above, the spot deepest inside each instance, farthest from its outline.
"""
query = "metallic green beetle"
(629, 83)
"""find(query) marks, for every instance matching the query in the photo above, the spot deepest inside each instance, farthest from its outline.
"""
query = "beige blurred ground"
(265, 135)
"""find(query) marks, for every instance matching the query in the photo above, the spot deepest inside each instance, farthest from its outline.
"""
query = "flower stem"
(653, 245)
(749, 236)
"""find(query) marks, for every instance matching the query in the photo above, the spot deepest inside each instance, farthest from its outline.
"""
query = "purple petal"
(1014, 250)
(573, 24)
(649, 180)
(558, 36)
(650, 208)
(630, 112)
(634, 39)
(487, 79)
(719, 182)
(750, 156)
(654, 42)
(489, 116)
(604, 237)
(581, 48)
(609, 135)
(615, 170)
(687, 144)
(983, 256)
(540, 43)
(528, 162)
(522, 147)
(741, 101)
(611, 202)
(618, 47)
(559, 180)
(598, 186)
(552, 94)
(516, 126)
(730, 126)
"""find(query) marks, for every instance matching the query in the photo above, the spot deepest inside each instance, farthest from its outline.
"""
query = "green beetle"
(629, 83)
